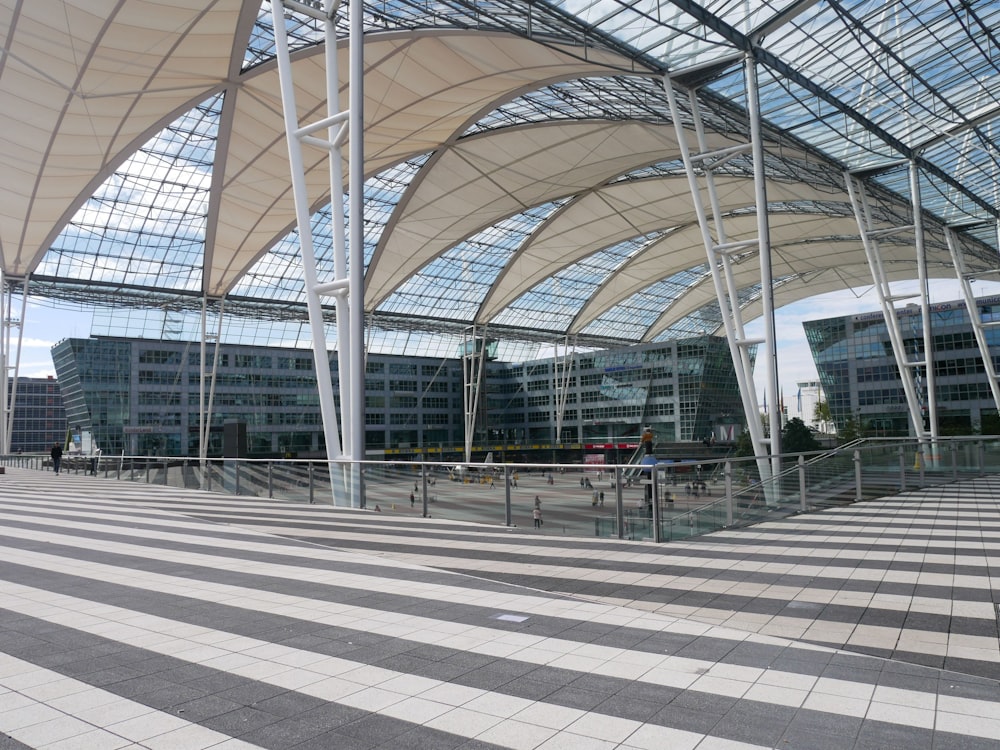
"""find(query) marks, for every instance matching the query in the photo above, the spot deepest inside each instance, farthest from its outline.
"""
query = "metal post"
(982, 457)
(657, 531)
(508, 520)
(920, 465)
(728, 474)
(423, 488)
(312, 488)
(270, 479)
(954, 460)
(857, 476)
(237, 462)
(902, 469)
(619, 503)
(802, 483)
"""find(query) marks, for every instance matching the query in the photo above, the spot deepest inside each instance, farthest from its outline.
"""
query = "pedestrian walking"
(412, 499)
(601, 500)
(56, 454)
(537, 515)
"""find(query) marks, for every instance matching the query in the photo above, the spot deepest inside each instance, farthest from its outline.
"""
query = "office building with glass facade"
(39, 417)
(143, 397)
(860, 379)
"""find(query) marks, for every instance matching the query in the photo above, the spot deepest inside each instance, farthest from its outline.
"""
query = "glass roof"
(860, 86)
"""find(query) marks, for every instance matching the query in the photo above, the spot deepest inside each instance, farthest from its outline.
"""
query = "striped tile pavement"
(135, 616)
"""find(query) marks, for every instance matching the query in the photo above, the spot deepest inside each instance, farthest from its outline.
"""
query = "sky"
(44, 326)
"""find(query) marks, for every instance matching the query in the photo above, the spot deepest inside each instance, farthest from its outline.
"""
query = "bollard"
(654, 479)
(857, 475)
(730, 500)
(802, 483)
(619, 503)
(902, 469)
(508, 519)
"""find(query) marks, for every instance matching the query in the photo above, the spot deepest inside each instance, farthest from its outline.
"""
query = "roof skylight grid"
(555, 303)
(659, 30)
(632, 317)
(455, 284)
(278, 274)
(145, 225)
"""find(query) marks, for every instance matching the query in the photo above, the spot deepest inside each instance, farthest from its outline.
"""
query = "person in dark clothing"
(56, 454)
(647, 441)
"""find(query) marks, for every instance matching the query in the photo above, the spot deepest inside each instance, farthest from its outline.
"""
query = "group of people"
(696, 488)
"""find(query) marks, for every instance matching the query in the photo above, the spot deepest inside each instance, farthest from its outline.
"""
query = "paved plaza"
(139, 616)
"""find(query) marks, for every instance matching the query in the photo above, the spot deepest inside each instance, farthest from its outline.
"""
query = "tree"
(744, 446)
(852, 429)
(797, 438)
(821, 412)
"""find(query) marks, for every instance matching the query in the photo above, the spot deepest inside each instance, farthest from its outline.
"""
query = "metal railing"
(661, 502)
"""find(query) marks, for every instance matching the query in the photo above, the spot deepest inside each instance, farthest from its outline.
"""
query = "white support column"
(563, 366)
(9, 323)
(346, 290)
(869, 239)
(978, 327)
(4, 349)
(473, 369)
(205, 408)
(719, 251)
(764, 249)
(356, 162)
(925, 310)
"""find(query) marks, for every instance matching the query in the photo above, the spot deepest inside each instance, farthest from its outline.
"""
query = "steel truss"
(912, 372)
(700, 164)
(347, 288)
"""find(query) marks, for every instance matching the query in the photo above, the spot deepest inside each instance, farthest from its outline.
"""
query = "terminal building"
(142, 396)
(860, 378)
